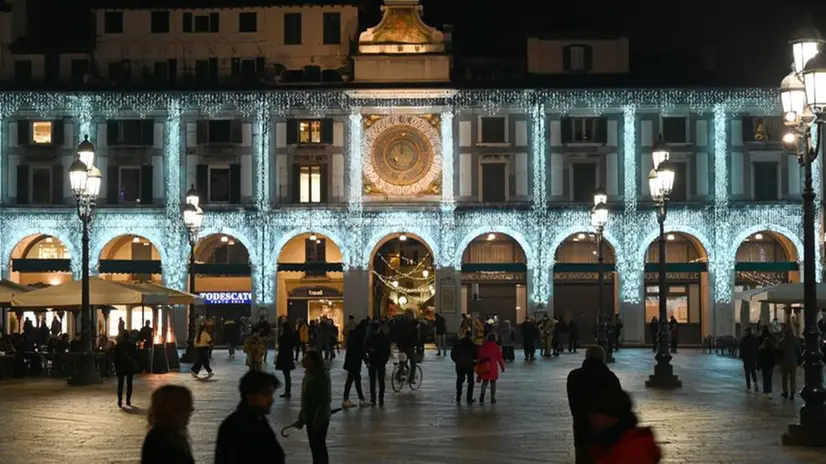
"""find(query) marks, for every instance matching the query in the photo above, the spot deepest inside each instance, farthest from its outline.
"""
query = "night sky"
(731, 43)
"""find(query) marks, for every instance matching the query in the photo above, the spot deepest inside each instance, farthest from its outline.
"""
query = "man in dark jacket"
(408, 333)
(748, 354)
(246, 435)
(583, 385)
(378, 353)
(441, 330)
(464, 356)
(529, 334)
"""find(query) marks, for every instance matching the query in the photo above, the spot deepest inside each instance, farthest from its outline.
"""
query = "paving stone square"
(709, 420)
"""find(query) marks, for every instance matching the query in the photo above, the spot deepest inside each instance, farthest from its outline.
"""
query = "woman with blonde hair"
(168, 440)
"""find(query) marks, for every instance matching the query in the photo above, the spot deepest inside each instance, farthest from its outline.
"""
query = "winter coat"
(463, 355)
(377, 349)
(766, 358)
(126, 357)
(355, 354)
(529, 333)
(254, 347)
(573, 330)
(316, 395)
(491, 354)
(748, 349)
(164, 446)
(635, 446)
(506, 334)
(286, 345)
(583, 385)
(246, 436)
(478, 332)
(325, 332)
(789, 350)
(408, 335)
(231, 331)
(303, 333)
(441, 325)
(204, 340)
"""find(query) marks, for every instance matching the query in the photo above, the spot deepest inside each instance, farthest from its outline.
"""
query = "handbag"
(482, 367)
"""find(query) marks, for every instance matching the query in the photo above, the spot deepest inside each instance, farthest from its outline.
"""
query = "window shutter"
(235, 184)
(235, 67)
(187, 25)
(23, 132)
(146, 184)
(235, 132)
(112, 132)
(260, 66)
(292, 131)
(321, 250)
(327, 131)
(57, 183)
(566, 58)
(213, 70)
(148, 132)
(566, 127)
(601, 130)
(296, 183)
(112, 184)
(58, 132)
(748, 129)
(589, 58)
(325, 180)
(22, 183)
(203, 132)
(214, 22)
(202, 181)
(172, 69)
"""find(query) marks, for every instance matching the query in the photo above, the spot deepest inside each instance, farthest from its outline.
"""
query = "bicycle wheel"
(397, 379)
(419, 377)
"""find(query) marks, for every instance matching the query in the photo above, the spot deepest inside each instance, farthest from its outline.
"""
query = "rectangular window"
(41, 186)
(578, 58)
(292, 28)
(160, 22)
(79, 70)
(310, 184)
(494, 130)
(223, 131)
(763, 129)
(765, 181)
(161, 71)
(130, 132)
(677, 305)
(200, 23)
(42, 132)
(247, 22)
(187, 22)
(113, 22)
(679, 191)
(332, 28)
(219, 185)
(584, 182)
(584, 130)
(314, 250)
(674, 130)
(130, 185)
(309, 131)
(23, 70)
(493, 183)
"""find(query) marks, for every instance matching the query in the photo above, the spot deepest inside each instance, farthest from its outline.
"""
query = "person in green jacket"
(316, 396)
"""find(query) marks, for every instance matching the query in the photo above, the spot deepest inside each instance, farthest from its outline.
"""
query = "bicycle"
(401, 375)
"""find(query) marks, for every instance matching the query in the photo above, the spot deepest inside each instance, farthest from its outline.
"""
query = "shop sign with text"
(226, 297)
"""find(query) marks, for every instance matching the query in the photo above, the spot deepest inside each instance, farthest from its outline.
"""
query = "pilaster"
(357, 293)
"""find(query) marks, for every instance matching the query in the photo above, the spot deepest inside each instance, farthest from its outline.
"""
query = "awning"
(129, 266)
(8, 289)
(173, 297)
(101, 292)
(226, 270)
(783, 294)
(41, 265)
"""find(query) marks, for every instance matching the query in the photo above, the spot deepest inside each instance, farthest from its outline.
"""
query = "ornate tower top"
(401, 31)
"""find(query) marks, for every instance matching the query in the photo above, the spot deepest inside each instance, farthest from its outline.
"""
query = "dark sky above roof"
(746, 41)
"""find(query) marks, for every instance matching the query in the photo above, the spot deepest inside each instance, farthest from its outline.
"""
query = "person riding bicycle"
(408, 340)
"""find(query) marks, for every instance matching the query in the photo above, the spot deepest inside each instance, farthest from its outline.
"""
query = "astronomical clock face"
(404, 155)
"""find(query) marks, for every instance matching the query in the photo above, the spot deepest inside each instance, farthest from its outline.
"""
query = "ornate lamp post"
(85, 179)
(803, 96)
(193, 219)
(660, 183)
(599, 217)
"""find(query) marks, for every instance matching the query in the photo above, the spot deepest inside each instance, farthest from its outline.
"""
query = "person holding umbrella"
(316, 396)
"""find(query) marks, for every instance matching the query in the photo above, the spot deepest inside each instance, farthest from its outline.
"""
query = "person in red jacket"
(616, 437)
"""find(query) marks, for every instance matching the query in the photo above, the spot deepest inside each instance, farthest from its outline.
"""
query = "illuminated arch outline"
(383, 234)
(18, 235)
(516, 235)
(749, 231)
(99, 243)
(287, 237)
(559, 240)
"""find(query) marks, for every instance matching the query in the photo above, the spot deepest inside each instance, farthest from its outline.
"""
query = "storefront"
(310, 303)
(684, 301)
(227, 305)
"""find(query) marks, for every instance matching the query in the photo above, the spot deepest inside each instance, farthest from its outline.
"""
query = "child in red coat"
(616, 437)
(487, 369)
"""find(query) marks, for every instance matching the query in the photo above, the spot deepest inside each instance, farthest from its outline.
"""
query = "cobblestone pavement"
(710, 420)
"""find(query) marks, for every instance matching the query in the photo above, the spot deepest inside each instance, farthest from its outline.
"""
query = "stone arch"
(231, 232)
(691, 233)
(560, 237)
(516, 235)
(18, 235)
(287, 237)
(384, 234)
(153, 236)
(785, 233)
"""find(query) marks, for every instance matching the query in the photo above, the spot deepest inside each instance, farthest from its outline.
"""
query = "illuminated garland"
(406, 275)
(448, 161)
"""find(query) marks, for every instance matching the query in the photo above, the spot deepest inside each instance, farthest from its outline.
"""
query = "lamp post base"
(663, 375)
(84, 373)
(801, 435)
(189, 355)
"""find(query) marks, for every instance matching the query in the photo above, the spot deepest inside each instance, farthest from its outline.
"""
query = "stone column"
(632, 305)
(448, 285)
(540, 289)
(721, 286)
(357, 293)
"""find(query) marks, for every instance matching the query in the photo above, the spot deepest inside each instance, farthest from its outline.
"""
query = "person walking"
(203, 344)
(490, 356)
(546, 327)
(617, 439)
(766, 362)
(506, 338)
(529, 336)
(264, 330)
(583, 386)
(168, 440)
(674, 331)
(440, 330)
(791, 356)
(246, 435)
(254, 347)
(126, 364)
(464, 355)
(284, 362)
(231, 335)
(408, 340)
(748, 354)
(303, 337)
(316, 397)
(573, 336)
(654, 329)
(353, 359)
(325, 337)
(378, 353)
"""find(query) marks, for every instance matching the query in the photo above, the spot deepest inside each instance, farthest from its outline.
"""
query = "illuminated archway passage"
(222, 280)
(402, 277)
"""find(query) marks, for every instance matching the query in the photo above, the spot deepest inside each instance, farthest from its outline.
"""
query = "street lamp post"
(599, 217)
(803, 96)
(660, 183)
(85, 180)
(193, 219)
